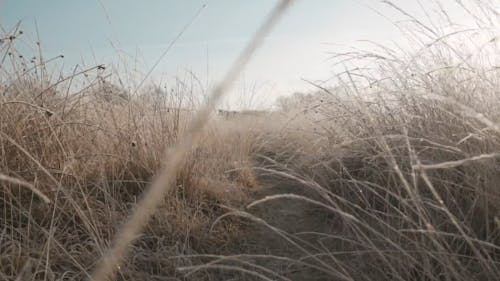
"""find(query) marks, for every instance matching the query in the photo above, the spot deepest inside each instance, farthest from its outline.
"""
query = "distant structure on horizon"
(233, 114)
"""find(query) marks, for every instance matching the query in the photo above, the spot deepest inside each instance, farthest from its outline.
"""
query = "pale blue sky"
(85, 29)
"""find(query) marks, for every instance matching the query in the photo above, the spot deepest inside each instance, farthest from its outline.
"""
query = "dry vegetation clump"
(406, 191)
(76, 153)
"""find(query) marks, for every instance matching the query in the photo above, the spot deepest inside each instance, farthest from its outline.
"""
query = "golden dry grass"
(390, 174)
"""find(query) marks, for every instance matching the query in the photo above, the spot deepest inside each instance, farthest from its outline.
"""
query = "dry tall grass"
(74, 160)
(391, 174)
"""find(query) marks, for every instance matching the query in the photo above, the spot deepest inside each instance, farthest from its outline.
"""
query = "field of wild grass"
(390, 173)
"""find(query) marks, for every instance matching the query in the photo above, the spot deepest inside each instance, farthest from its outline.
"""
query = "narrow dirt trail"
(294, 217)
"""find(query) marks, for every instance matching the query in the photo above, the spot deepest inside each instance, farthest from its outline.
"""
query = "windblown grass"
(75, 159)
(389, 173)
